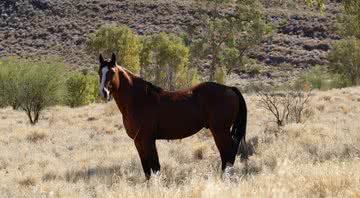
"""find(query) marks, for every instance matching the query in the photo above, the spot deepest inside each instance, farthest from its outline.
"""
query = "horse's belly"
(177, 133)
(180, 124)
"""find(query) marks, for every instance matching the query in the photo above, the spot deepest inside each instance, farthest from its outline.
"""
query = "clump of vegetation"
(164, 58)
(344, 56)
(117, 39)
(81, 89)
(345, 59)
(8, 83)
(160, 58)
(30, 85)
(319, 78)
(351, 19)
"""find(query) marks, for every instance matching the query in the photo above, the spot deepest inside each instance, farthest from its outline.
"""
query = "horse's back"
(185, 112)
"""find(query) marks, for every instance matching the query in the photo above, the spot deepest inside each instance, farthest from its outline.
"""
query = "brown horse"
(150, 113)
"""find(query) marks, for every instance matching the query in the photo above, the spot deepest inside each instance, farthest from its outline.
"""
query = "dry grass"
(85, 152)
(27, 182)
(36, 136)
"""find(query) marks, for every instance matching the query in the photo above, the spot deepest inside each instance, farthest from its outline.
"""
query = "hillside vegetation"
(85, 152)
(29, 27)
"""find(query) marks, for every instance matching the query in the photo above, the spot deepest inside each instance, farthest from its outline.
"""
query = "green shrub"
(8, 85)
(92, 88)
(31, 85)
(319, 78)
(81, 89)
(220, 75)
(345, 59)
(350, 18)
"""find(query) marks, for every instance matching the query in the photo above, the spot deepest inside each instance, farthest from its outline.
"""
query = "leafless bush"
(287, 106)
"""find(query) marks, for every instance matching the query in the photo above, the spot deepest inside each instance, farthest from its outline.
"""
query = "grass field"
(85, 152)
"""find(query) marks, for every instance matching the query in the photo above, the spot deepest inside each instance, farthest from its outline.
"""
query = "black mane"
(153, 88)
(147, 86)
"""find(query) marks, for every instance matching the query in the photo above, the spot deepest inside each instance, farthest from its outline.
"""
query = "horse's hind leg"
(226, 146)
(148, 156)
(155, 161)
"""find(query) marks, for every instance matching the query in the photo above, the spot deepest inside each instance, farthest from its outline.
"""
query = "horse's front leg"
(146, 148)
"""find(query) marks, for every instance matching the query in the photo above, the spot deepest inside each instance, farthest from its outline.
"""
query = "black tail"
(238, 130)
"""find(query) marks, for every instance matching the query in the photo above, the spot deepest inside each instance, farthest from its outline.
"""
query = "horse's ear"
(101, 59)
(113, 60)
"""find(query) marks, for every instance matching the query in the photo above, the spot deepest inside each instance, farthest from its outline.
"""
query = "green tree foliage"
(81, 89)
(145, 53)
(345, 59)
(319, 3)
(220, 75)
(120, 40)
(8, 82)
(250, 29)
(164, 59)
(227, 38)
(34, 85)
(351, 18)
(187, 77)
(218, 32)
(344, 56)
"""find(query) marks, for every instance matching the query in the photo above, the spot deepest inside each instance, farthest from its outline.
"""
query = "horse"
(151, 113)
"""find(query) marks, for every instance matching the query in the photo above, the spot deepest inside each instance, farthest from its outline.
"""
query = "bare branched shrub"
(285, 107)
(300, 105)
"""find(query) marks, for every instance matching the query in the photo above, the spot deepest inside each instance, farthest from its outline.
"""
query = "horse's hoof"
(228, 172)
(157, 173)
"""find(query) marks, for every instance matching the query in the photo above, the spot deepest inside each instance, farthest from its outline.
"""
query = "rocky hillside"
(38, 27)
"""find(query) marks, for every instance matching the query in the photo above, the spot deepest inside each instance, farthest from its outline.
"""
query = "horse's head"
(106, 72)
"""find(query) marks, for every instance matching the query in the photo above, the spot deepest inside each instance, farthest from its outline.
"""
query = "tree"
(145, 54)
(118, 39)
(166, 57)
(227, 38)
(345, 59)
(219, 31)
(250, 29)
(33, 85)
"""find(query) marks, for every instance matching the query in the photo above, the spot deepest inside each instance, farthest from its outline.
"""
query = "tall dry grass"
(85, 152)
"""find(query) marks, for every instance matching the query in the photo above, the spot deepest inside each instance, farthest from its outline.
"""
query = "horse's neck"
(123, 95)
(131, 89)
